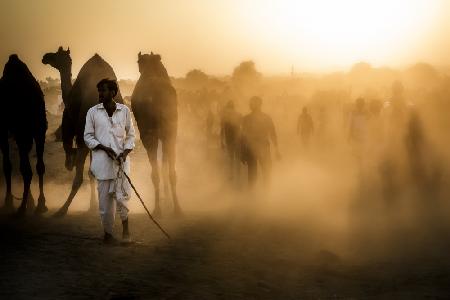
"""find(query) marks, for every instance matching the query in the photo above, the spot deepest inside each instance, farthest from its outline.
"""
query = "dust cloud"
(380, 193)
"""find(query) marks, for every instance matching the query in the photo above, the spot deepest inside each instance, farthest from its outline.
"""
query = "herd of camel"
(154, 104)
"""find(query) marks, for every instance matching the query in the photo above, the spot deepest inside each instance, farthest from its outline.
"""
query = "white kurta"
(116, 132)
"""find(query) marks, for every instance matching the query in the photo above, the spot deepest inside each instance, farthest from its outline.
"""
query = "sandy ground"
(297, 242)
(232, 256)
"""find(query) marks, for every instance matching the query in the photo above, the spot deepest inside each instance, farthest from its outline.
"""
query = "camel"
(78, 98)
(25, 120)
(154, 105)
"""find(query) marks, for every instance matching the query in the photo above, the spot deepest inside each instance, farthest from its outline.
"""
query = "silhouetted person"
(375, 107)
(109, 133)
(209, 125)
(305, 126)
(258, 130)
(358, 122)
(358, 130)
(358, 136)
(230, 136)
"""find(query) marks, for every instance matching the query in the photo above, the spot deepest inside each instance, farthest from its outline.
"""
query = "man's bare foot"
(125, 233)
(109, 239)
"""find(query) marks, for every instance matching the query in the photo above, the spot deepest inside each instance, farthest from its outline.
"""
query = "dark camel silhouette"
(77, 101)
(24, 118)
(154, 105)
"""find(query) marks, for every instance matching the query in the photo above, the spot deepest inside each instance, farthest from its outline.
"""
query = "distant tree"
(245, 73)
(196, 77)
(361, 68)
(52, 81)
(423, 72)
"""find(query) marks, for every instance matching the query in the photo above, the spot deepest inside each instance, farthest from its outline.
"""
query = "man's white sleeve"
(89, 136)
(129, 128)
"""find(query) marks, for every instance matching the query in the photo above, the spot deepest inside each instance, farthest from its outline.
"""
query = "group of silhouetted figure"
(386, 138)
(248, 139)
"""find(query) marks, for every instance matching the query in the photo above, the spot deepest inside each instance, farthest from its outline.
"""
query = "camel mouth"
(46, 59)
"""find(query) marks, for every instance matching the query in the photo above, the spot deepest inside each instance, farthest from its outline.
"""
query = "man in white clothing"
(109, 133)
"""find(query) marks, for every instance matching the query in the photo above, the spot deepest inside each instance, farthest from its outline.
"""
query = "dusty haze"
(339, 219)
(214, 36)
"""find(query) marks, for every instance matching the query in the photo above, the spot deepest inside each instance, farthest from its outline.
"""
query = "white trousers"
(111, 194)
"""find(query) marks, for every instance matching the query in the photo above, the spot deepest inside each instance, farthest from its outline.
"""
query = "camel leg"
(40, 169)
(93, 204)
(156, 180)
(169, 154)
(81, 155)
(165, 177)
(7, 168)
(151, 146)
(27, 175)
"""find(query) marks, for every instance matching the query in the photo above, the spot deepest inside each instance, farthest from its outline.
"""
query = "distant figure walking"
(209, 126)
(305, 126)
(109, 133)
(257, 131)
(230, 135)
(358, 132)
(358, 122)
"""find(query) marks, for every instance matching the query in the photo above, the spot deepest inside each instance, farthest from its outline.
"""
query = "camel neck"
(66, 84)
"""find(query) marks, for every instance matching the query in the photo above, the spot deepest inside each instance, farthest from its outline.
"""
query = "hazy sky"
(319, 35)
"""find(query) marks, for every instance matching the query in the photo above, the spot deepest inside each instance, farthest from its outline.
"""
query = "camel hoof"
(30, 204)
(62, 212)
(157, 212)
(40, 209)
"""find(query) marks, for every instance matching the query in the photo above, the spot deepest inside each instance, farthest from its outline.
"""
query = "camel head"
(151, 65)
(59, 60)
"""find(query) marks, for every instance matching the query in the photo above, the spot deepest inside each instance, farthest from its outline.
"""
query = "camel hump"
(16, 74)
(96, 57)
(14, 57)
(15, 68)
(84, 90)
(97, 65)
